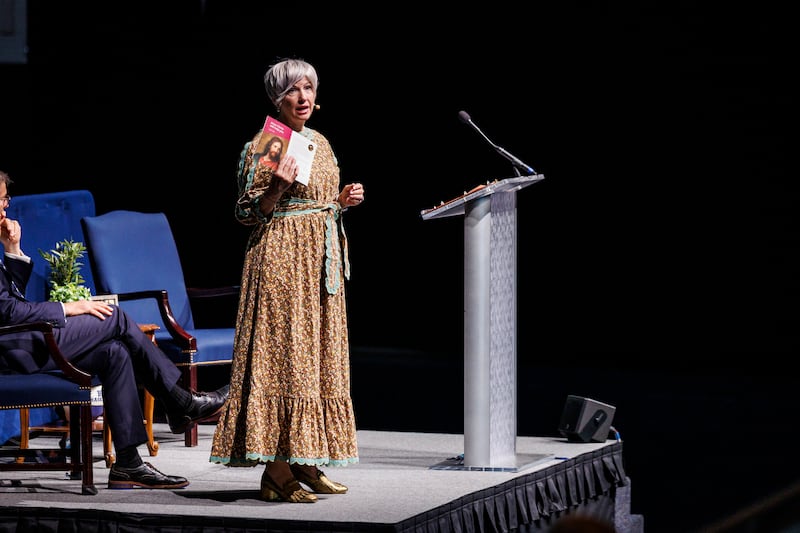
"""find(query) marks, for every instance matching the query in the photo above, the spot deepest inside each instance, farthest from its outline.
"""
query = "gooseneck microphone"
(518, 165)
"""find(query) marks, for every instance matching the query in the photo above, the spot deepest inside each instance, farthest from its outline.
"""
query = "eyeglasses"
(5, 201)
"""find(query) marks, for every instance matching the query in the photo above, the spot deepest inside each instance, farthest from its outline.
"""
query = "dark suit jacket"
(13, 309)
(23, 352)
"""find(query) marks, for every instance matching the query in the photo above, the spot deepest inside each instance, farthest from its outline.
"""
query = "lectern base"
(522, 462)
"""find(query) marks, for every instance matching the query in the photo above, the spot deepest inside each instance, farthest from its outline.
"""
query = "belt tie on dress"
(333, 253)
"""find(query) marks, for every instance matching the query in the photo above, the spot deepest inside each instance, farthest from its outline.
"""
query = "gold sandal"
(318, 481)
(290, 492)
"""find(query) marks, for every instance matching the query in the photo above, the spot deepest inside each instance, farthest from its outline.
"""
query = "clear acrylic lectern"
(490, 325)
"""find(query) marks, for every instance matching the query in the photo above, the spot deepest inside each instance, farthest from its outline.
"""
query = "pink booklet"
(291, 143)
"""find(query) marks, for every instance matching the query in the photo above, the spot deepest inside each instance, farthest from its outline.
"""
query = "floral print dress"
(290, 376)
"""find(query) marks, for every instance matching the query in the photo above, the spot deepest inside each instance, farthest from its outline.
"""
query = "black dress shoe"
(144, 476)
(203, 405)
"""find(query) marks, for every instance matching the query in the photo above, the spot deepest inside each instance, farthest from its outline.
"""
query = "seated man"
(103, 340)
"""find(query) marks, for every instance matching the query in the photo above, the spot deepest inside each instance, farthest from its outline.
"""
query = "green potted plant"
(66, 282)
(67, 285)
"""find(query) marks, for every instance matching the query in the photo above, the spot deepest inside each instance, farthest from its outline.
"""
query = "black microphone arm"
(518, 164)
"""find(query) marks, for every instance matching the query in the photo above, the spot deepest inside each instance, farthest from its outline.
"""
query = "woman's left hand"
(351, 195)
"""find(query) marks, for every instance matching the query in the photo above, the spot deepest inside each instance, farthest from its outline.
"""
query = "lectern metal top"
(456, 205)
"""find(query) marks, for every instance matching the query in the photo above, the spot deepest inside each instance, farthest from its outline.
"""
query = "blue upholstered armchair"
(31, 392)
(134, 255)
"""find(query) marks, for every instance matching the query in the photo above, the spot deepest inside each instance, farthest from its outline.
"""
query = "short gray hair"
(282, 76)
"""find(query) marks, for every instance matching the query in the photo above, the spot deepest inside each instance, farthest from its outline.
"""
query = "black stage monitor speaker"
(585, 420)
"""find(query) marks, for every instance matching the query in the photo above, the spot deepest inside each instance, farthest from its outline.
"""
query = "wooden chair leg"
(108, 446)
(24, 431)
(149, 404)
(81, 446)
(189, 377)
(149, 401)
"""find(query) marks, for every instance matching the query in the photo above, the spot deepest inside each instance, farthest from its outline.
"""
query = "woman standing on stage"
(290, 406)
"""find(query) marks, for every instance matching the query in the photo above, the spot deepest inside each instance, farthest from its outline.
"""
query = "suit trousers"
(122, 357)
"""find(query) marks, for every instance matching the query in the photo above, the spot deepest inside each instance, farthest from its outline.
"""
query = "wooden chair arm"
(213, 292)
(46, 328)
(214, 307)
(186, 341)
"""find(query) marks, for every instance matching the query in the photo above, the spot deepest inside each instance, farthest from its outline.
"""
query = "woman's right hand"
(286, 173)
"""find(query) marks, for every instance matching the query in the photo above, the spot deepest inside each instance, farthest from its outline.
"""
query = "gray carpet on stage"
(393, 481)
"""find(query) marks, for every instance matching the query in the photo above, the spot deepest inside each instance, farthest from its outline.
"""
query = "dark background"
(658, 259)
